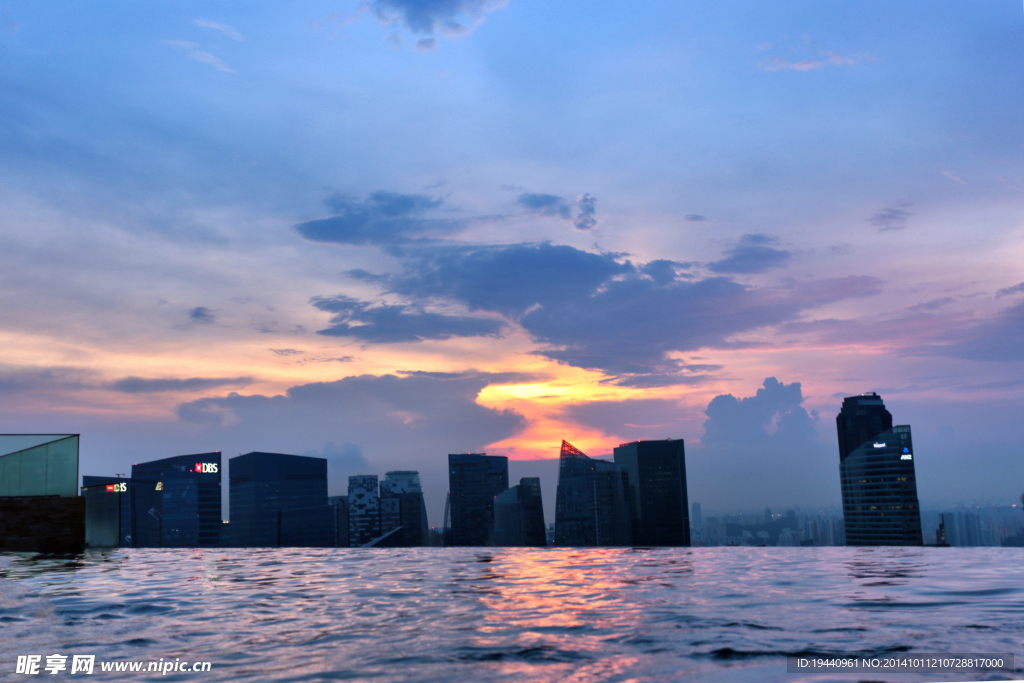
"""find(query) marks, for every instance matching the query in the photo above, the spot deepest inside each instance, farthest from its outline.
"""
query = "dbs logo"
(117, 488)
(206, 468)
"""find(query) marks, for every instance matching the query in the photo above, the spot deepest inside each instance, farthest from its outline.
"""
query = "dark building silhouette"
(402, 507)
(1017, 540)
(176, 502)
(104, 499)
(108, 509)
(592, 505)
(474, 480)
(42, 524)
(147, 522)
(265, 484)
(363, 509)
(876, 472)
(860, 420)
(519, 515)
(658, 500)
(340, 504)
(180, 511)
(311, 527)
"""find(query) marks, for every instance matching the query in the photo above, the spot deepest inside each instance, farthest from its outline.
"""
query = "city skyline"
(360, 233)
(644, 472)
(547, 470)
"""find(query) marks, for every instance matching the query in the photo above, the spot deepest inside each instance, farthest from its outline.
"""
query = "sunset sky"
(382, 232)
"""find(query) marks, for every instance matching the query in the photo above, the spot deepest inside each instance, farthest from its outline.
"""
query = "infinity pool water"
(490, 614)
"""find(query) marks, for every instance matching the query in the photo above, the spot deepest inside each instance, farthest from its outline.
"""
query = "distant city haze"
(380, 233)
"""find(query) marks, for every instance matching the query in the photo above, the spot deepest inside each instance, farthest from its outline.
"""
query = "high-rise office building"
(474, 480)
(876, 472)
(107, 512)
(102, 496)
(402, 507)
(860, 420)
(657, 481)
(592, 501)
(311, 527)
(363, 509)
(176, 502)
(265, 484)
(696, 520)
(410, 477)
(519, 515)
(340, 504)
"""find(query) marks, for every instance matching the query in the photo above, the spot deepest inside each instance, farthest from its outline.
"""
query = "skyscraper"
(658, 500)
(592, 501)
(176, 502)
(402, 506)
(876, 472)
(107, 506)
(860, 420)
(474, 480)
(519, 515)
(264, 484)
(340, 504)
(363, 509)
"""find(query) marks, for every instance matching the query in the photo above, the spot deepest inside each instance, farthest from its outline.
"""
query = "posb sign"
(206, 468)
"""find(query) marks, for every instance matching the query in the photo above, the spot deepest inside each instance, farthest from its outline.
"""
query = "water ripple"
(705, 614)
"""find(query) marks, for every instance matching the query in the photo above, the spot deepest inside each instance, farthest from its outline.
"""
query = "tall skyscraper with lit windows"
(876, 471)
(176, 502)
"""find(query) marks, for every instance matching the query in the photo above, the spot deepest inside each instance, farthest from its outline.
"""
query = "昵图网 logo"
(206, 468)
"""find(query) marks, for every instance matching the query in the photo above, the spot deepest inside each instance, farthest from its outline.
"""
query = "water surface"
(487, 614)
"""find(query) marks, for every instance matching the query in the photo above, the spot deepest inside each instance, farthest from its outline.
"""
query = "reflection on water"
(714, 614)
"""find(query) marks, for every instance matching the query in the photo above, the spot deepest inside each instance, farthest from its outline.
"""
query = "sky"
(383, 232)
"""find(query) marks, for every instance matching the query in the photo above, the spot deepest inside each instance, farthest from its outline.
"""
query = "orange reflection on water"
(563, 608)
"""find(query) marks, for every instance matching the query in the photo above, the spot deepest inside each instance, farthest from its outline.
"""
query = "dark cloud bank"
(752, 255)
(141, 385)
(601, 311)
(382, 323)
(598, 311)
(381, 218)
(595, 311)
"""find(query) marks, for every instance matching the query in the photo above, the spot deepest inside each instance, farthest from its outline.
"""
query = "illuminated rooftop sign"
(205, 468)
(906, 456)
(117, 488)
(879, 444)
